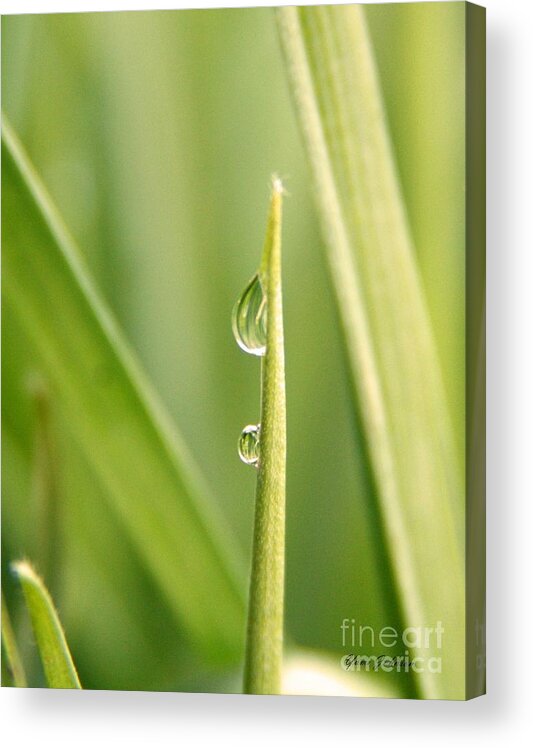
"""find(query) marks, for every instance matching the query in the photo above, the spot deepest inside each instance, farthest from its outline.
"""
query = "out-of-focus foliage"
(390, 347)
(156, 134)
(148, 474)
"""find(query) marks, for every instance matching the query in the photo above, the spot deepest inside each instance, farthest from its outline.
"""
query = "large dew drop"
(249, 319)
(249, 447)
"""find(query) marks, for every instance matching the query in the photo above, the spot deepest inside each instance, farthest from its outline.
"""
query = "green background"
(156, 134)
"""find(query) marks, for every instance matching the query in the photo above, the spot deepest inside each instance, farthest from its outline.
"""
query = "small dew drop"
(249, 319)
(249, 446)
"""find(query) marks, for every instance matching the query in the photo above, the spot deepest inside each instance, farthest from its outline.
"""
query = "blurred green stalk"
(396, 381)
(11, 660)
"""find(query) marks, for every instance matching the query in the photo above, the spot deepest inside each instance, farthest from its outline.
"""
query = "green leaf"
(151, 480)
(45, 487)
(11, 661)
(264, 647)
(55, 655)
(396, 381)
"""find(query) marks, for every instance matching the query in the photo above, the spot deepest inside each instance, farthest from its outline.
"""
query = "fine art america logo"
(422, 639)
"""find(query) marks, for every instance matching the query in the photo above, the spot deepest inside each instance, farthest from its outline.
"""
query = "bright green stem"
(264, 646)
(11, 650)
(53, 648)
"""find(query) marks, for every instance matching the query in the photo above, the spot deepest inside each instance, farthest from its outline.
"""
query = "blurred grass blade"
(45, 483)
(396, 381)
(11, 660)
(264, 646)
(151, 480)
(53, 648)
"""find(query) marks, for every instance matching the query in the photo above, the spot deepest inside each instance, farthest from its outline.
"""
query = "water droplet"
(249, 319)
(249, 447)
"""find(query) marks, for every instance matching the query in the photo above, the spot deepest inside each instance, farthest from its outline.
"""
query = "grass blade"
(55, 655)
(11, 661)
(264, 646)
(45, 481)
(391, 353)
(151, 480)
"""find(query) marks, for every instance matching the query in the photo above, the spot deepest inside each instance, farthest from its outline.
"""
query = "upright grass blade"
(11, 657)
(264, 645)
(152, 482)
(391, 353)
(53, 648)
